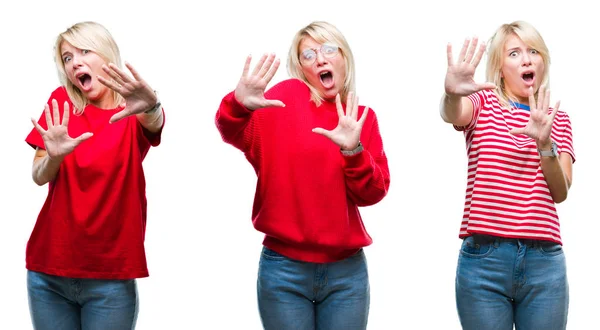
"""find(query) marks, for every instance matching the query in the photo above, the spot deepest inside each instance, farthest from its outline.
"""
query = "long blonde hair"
(96, 38)
(321, 32)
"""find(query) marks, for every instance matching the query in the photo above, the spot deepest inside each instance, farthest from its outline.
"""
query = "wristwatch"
(354, 151)
(549, 153)
(155, 107)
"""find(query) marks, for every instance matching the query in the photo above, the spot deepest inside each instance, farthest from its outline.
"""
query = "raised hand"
(138, 95)
(347, 133)
(56, 138)
(250, 90)
(539, 125)
(460, 75)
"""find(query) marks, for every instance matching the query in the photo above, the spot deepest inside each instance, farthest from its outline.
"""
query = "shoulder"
(290, 85)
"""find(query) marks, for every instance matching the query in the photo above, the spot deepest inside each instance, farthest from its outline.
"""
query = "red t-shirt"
(93, 222)
(308, 193)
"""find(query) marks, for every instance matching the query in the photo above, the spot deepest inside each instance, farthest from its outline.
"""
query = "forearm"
(232, 120)
(45, 169)
(367, 179)
(556, 178)
(152, 121)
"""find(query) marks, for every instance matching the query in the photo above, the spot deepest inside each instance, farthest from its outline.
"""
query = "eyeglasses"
(309, 56)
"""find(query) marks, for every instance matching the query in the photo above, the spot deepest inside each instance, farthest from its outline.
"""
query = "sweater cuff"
(357, 160)
(237, 109)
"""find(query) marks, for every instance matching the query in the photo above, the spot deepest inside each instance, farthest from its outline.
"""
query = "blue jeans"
(65, 303)
(501, 282)
(296, 295)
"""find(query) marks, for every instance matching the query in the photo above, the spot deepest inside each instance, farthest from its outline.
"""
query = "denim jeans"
(296, 295)
(64, 303)
(501, 282)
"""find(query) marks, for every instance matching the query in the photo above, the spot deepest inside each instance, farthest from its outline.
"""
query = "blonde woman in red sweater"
(318, 156)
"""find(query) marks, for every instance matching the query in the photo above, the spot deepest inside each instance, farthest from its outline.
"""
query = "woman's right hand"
(56, 138)
(250, 90)
(460, 75)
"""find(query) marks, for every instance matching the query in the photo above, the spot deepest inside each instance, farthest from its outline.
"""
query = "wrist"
(544, 144)
(359, 148)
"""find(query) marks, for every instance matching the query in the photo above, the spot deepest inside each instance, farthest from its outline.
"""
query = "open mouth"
(326, 78)
(85, 80)
(528, 77)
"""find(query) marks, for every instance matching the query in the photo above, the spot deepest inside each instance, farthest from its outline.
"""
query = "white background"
(202, 249)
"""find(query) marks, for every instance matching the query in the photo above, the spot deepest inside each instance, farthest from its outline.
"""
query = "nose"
(76, 61)
(526, 58)
(320, 58)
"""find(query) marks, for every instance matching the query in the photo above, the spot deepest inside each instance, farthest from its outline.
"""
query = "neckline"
(519, 105)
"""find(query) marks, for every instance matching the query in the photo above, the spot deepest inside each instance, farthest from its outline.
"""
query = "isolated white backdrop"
(201, 247)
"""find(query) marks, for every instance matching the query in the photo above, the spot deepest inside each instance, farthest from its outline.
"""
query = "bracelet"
(353, 152)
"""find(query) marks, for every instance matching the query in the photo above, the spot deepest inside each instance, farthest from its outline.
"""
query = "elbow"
(38, 181)
(560, 198)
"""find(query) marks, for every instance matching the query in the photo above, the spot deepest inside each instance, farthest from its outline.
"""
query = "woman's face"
(324, 67)
(82, 67)
(522, 69)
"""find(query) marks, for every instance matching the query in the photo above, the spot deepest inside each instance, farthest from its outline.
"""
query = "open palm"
(347, 133)
(56, 138)
(250, 90)
(539, 126)
(460, 74)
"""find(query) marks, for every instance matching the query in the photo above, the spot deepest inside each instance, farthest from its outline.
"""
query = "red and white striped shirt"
(507, 194)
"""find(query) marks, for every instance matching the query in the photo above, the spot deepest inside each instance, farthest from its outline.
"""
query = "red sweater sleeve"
(233, 122)
(367, 173)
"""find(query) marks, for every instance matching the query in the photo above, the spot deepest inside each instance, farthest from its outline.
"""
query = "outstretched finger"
(134, 72)
(48, 116)
(117, 78)
(546, 104)
(363, 117)
(259, 65)
(355, 107)
(338, 106)
(38, 127)
(485, 86)
(463, 50)
(266, 66)
(55, 113)
(123, 76)
(111, 84)
(273, 70)
(247, 66)
(554, 111)
(349, 104)
(66, 114)
(532, 99)
(449, 54)
(479, 54)
(471, 50)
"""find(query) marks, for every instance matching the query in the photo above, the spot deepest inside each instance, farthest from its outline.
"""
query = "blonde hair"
(91, 36)
(321, 32)
(530, 36)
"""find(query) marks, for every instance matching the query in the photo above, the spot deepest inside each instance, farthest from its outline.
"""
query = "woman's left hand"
(539, 125)
(347, 133)
(138, 95)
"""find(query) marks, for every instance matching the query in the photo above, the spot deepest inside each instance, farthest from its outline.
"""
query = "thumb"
(118, 116)
(83, 137)
(485, 86)
(516, 131)
(322, 131)
(273, 103)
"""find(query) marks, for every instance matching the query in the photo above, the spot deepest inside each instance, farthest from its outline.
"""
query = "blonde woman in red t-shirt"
(87, 246)
(318, 156)
(511, 269)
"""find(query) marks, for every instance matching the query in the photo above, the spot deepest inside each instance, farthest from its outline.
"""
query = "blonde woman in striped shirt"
(511, 268)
